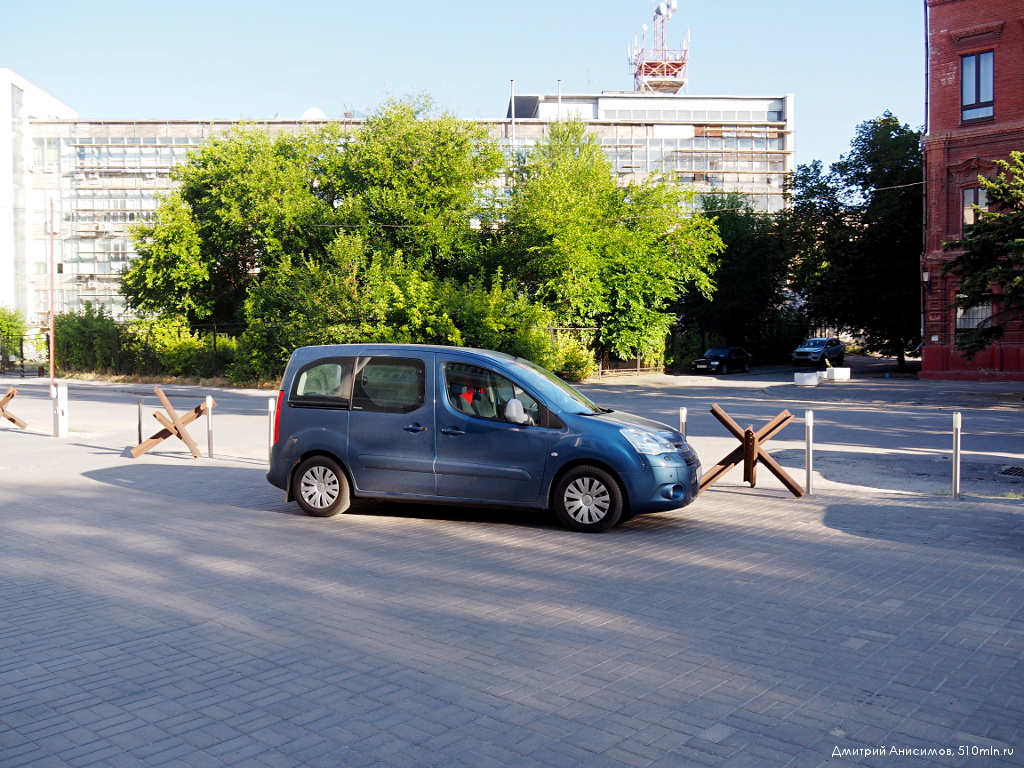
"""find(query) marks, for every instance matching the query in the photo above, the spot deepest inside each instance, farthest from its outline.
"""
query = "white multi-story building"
(24, 162)
(100, 176)
(706, 143)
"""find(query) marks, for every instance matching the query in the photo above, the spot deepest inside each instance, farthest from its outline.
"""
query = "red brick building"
(975, 115)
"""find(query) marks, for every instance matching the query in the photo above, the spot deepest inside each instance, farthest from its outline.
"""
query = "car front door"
(391, 425)
(481, 455)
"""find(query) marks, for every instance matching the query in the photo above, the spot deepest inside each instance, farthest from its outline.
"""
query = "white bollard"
(59, 396)
(682, 422)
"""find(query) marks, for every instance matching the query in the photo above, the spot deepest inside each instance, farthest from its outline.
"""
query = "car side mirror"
(514, 412)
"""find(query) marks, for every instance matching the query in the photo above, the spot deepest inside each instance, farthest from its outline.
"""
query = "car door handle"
(414, 428)
(453, 431)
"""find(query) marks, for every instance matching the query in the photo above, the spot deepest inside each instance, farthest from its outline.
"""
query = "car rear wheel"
(588, 499)
(320, 487)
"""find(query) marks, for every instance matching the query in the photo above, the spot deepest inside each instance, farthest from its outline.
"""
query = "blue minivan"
(410, 422)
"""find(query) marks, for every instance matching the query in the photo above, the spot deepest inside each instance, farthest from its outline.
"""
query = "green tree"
(596, 253)
(990, 262)
(356, 297)
(856, 233)
(12, 327)
(407, 180)
(751, 281)
(243, 202)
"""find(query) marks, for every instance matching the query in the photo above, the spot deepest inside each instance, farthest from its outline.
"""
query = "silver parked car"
(815, 351)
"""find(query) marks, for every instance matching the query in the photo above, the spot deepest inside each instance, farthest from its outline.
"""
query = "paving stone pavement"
(172, 612)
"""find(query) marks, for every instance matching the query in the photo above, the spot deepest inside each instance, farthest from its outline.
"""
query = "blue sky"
(846, 62)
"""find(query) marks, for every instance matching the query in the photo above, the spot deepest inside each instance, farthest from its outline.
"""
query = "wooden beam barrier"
(6, 414)
(172, 424)
(750, 452)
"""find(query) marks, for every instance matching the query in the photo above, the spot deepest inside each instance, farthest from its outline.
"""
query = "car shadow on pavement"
(246, 488)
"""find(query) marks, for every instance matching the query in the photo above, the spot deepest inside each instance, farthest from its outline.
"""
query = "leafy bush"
(573, 360)
(87, 341)
(92, 341)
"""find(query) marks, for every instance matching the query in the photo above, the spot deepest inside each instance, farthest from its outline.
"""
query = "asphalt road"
(872, 432)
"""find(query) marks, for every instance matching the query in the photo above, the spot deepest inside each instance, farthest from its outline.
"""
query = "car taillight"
(277, 416)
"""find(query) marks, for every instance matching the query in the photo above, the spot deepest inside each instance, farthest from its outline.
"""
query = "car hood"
(808, 349)
(710, 359)
(629, 420)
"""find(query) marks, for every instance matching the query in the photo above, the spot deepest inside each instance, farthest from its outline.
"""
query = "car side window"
(388, 384)
(323, 384)
(483, 394)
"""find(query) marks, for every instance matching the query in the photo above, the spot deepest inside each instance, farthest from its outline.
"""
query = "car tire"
(746, 367)
(839, 360)
(724, 370)
(587, 499)
(320, 487)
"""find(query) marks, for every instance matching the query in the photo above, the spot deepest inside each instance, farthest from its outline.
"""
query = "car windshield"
(814, 343)
(555, 392)
(717, 352)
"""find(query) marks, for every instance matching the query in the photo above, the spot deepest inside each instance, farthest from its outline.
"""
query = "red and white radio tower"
(659, 69)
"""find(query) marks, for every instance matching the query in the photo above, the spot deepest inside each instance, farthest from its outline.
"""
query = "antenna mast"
(659, 70)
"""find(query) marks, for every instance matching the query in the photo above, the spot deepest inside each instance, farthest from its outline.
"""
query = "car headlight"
(647, 442)
(713, 364)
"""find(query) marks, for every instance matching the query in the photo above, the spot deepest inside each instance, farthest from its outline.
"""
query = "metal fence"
(24, 355)
(608, 364)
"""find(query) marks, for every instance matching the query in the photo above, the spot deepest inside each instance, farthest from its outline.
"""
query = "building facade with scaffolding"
(705, 143)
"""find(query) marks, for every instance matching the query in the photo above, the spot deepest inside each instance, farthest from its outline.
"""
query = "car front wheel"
(588, 499)
(320, 487)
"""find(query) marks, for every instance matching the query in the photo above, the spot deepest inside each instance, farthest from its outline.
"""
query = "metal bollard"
(682, 422)
(59, 396)
(956, 455)
(209, 426)
(272, 413)
(809, 461)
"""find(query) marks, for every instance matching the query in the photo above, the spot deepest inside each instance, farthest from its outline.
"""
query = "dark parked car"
(466, 426)
(722, 360)
(819, 349)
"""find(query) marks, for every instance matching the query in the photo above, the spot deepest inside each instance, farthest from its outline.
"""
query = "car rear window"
(325, 383)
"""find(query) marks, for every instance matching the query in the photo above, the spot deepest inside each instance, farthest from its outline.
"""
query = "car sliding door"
(391, 425)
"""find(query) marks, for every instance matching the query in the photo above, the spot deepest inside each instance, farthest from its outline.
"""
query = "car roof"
(329, 350)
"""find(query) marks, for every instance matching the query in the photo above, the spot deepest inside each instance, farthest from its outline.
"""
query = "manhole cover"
(1012, 472)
